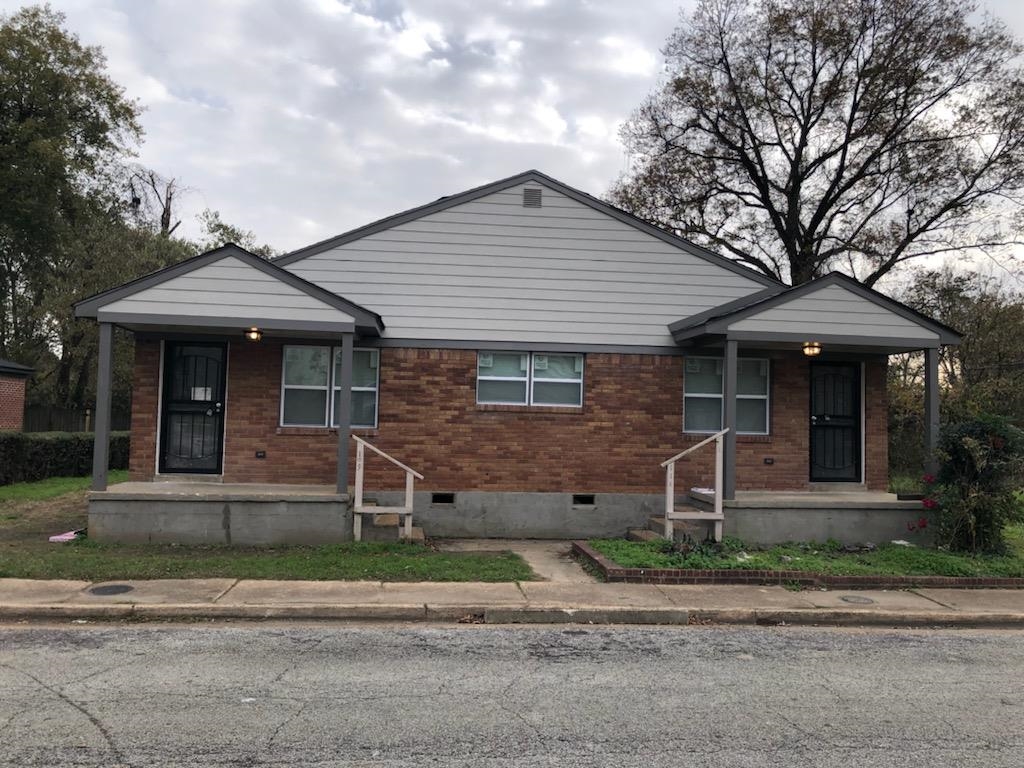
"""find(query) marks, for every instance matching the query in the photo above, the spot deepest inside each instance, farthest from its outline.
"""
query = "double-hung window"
(703, 406)
(311, 386)
(523, 378)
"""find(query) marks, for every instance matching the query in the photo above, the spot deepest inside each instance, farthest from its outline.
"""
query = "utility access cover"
(111, 589)
(857, 600)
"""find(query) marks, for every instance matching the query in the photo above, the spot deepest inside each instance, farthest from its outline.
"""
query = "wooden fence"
(50, 418)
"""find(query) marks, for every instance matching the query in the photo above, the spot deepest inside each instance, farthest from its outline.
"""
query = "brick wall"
(12, 403)
(429, 419)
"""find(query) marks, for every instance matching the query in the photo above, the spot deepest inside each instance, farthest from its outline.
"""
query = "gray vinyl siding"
(492, 270)
(227, 288)
(834, 311)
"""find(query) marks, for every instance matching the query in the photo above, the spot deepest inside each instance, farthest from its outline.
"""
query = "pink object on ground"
(63, 537)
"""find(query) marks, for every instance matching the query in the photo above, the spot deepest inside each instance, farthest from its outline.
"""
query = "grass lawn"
(887, 560)
(30, 512)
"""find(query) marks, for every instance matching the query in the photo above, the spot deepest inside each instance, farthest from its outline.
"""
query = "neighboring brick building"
(534, 352)
(13, 378)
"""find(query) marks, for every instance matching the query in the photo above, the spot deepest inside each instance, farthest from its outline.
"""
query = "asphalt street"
(405, 695)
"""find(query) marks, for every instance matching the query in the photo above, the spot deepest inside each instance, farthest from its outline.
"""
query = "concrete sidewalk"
(505, 603)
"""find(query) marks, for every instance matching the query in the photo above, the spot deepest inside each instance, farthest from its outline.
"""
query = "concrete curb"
(514, 614)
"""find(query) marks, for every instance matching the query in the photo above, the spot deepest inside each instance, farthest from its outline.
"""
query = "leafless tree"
(801, 136)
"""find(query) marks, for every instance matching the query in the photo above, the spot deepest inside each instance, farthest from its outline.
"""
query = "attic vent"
(531, 198)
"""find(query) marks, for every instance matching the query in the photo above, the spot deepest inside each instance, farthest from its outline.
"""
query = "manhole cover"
(111, 589)
(857, 600)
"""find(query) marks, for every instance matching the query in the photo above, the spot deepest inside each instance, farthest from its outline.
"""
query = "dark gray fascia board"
(365, 320)
(946, 334)
(856, 341)
(132, 320)
(522, 178)
(515, 346)
(723, 309)
(15, 370)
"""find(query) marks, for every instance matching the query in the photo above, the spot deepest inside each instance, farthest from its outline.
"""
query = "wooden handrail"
(393, 460)
(691, 449)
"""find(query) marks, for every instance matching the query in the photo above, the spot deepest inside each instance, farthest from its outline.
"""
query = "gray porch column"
(101, 446)
(344, 412)
(729, 420)
(931, 409)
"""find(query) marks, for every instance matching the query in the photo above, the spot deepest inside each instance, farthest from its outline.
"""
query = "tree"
(217, 232)
(64, 124)
(802, 136)
(981, 376)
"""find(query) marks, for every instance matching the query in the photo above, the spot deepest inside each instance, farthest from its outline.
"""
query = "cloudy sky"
(300, 119)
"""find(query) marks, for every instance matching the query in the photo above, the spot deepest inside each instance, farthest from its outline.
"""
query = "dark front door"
(835, 422)
(192, 421)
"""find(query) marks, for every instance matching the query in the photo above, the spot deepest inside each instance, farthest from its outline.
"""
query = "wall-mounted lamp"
(253, 334)
(812, 348)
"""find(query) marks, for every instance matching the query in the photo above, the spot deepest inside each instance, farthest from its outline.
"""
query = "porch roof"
(834, 310)
(228, 290)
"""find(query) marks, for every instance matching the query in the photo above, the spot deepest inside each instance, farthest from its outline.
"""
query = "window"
(311, 373)
(522, 378)
(703, 402)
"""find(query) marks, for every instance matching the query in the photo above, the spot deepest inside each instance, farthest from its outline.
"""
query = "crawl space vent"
(531, 198)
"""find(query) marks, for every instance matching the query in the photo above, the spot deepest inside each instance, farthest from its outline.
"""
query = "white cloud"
(299, 120)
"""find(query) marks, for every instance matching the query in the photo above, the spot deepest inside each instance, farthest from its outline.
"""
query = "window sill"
(501, 408)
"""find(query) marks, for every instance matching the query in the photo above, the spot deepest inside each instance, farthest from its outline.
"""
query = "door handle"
(814, 419)
(215, 409)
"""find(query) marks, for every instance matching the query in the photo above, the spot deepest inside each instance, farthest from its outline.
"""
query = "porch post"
(729, 419)
(344, 412)
(101, 444)
(931, 409)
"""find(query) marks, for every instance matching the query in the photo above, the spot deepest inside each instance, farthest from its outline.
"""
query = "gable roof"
(540, 178)
(365, 321)
(726, 317)
(17, 370)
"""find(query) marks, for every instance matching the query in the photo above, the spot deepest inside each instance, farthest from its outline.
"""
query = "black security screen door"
(192, 423)
(835, 422)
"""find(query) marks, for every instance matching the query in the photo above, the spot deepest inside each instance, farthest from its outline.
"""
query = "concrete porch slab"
(31, 591)
(563, 595)
(158, 591)
(978, 600)
(171, 490)
(269, 592)
(729, 596)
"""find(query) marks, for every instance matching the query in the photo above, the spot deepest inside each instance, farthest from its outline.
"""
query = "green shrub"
(973, 496)
(26, 456)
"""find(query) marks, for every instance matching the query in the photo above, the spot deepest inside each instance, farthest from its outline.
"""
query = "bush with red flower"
(972, 498)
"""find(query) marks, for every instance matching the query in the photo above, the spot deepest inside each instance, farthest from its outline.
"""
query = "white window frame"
(375, 388)
(530, 379)
(766, 397)
(319, 388)
(330, 388)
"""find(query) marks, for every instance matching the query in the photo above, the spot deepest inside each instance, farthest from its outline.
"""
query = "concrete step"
(691, 512)
(680, 528)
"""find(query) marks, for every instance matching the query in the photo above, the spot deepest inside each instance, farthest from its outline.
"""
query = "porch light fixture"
(812, 348)
(253, 334)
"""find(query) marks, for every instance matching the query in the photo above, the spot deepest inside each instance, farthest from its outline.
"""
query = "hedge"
(39, 455)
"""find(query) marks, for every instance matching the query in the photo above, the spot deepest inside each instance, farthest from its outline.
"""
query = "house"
(13, 378)
(533, 353)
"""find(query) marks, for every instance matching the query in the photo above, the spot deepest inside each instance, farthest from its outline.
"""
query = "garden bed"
(798, 565)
